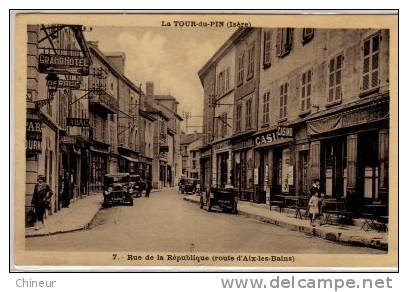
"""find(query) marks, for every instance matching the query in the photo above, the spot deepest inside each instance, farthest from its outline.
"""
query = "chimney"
(149, 88)
(118, 60)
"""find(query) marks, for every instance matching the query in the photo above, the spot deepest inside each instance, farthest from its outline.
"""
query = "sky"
(170, 57)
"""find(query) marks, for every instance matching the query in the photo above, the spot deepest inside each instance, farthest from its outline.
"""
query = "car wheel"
(208, 206)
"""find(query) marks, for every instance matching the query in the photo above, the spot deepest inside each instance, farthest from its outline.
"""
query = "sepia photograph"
(205, 140)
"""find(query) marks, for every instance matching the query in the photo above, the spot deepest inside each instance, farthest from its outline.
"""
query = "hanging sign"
(77, 122)
(273, 136)
(33, 135)
(63, 64)
(71, 84)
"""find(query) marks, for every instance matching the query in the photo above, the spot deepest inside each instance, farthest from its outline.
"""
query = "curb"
(335, 236)
(77, 228)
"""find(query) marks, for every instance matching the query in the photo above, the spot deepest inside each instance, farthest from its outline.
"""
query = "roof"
(220, 52)
(190, 138)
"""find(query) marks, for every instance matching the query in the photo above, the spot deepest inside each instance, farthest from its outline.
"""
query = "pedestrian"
(313, 207)
(66, 193)
(317, 189)
(148, 187)
(198, 188)
(41, 200)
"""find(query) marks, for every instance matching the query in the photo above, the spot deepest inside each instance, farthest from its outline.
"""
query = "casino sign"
(273, 136)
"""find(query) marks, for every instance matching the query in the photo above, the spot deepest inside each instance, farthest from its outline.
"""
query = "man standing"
(148, 187)
(66, 194)
(41, 200)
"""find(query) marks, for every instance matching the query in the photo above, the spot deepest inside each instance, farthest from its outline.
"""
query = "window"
(239, 116)
(227, 79)
(283, 101)
(251, 60)
(220, 87)
(335, 78)
(241, 68)
(308, 34)
(248, 114)
(371, 56)
(194, 154)
(267, 48)
(224, 123)
(265, 119)
(306, 91)
(194, 164)
(284, 41)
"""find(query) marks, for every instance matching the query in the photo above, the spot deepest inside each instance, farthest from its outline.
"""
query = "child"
(313, 207)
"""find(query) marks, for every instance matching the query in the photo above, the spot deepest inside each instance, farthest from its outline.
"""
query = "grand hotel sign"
(63, 64)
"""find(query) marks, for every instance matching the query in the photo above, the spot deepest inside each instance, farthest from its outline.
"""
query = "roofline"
(116, 72)
(219, 53)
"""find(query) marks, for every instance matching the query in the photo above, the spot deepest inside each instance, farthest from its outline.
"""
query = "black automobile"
(188, 185)
(116, 189)
(136, 185)
(225, 198)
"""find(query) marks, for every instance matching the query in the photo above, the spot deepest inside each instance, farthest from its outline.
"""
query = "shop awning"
(98, 151)
(131, 159)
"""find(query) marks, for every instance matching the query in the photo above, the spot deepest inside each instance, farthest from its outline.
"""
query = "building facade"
(190, 152)
(309, 104)
(56, 139)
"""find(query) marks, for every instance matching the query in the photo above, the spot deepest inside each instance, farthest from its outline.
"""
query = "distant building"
(190, 146)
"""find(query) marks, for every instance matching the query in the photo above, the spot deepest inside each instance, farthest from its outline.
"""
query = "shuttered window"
(265, 119)
(308, 34)
(283, 101)
(306, 91)
(284, 39)
(248, 114)
(267, 48)
(371, 56)
(241, 68)
(335, 78)
(238, 116)
(251, 61)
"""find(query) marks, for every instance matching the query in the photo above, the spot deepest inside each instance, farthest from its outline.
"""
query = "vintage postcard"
(196, 140)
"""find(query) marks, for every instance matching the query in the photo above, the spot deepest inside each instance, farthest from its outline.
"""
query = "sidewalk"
(352, 235)
(77, 217)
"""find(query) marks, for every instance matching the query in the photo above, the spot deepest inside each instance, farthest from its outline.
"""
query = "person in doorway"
(41, 200)
(148, 187)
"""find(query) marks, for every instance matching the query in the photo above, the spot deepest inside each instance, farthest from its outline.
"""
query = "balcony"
(101, 101)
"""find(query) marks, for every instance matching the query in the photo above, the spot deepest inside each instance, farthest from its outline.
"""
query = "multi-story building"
(190, 152)
(167, 105)
(324, 113)
(56, 133)
(308, 104)
(103, 110)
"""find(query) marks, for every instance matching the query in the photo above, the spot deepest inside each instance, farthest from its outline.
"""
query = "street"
(166, 223)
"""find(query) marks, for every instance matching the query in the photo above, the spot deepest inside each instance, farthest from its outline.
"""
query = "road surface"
(166, 223)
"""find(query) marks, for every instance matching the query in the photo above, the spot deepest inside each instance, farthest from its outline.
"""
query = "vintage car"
(116, 189)
(188, 185)
(225, 198)
(136, 185)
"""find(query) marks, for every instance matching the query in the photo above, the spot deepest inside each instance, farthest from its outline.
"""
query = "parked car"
(225, 198)
(137, 185)
(189, 185)
(116, 189)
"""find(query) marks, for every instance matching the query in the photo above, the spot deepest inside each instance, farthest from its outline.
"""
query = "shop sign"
(63, 64)
(33, 135)
(77, 122)
(243, 144)
(350, 118)
(256, 176)
(275, 135)
(71, 84)
(222, 145)
(287, 171)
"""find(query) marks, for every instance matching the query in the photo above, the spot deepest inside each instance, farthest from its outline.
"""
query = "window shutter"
(279, 42)
(267, 47)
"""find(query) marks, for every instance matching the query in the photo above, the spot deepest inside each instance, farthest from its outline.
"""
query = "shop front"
(127, 160)
(349, 153)
(99, 157)
(144, 167)
(205, 167)
(243, 167)
(274, 164)
(222, 160)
